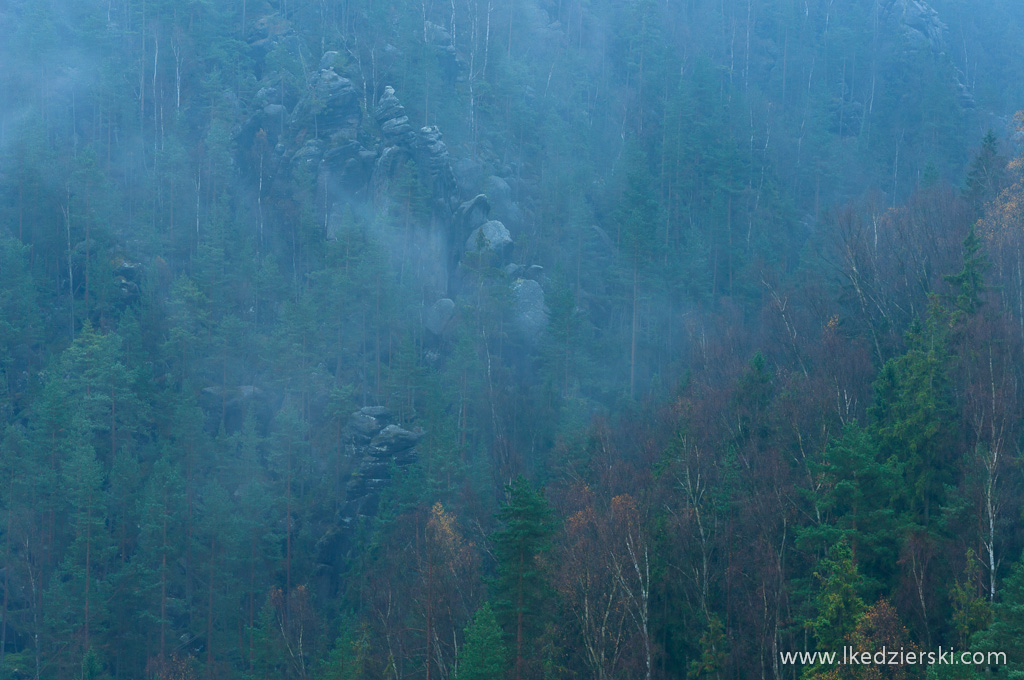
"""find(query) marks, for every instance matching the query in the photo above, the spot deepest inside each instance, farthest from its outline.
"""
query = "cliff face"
(376, 447)
(917, 23)
(356, 157)
(920, 29)
(398, 177)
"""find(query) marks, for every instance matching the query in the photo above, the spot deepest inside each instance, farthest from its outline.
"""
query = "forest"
(510, 339)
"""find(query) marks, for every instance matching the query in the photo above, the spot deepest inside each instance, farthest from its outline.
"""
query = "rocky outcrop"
(365, 423)
(920, 29)
(270, 31)
(432, 158)
(503, 205)
(127, 277)
(917, 23)
(437, 317)
(530, 312)
(424, 146)
(395, 129)
(426, 244)
(394, 442)
(330, 109)
(375, 447)
(316, 133)
(472, 213)
(489, 243)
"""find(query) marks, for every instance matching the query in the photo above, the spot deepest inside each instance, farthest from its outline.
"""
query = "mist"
(508, 338)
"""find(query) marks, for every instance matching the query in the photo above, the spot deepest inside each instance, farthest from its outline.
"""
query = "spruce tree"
(522, 588)
(483, 655)
(838, 603)
(986, 175)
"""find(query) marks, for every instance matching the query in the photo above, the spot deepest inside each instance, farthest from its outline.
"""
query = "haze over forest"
(509, 339)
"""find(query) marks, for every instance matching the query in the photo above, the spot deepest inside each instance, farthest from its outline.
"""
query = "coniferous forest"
(510, 339)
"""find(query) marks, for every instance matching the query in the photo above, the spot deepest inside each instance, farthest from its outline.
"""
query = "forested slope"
(508, 338)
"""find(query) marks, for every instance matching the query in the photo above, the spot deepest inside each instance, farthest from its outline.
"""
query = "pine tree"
(1007, 629)
(19, 322)
(347, 659)
(859, 491)
(986, 175)
(483, 655)
(79, 591)
(521, 588)
(971, 610)
(637, 219)
(711, 663)
(969, 283)
(161, 537)
(838, 604)
(98, 379)
(912, 415)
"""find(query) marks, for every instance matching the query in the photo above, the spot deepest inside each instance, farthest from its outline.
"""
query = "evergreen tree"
(483, 655)
(858, 501)
(711, 663)
(521, 589)
(636, 223)
(347, 659)
(162, 537)
(1007, 625)
(972, 612)
(79, 593)
(838, 605)
(986, 175)
(969, 283)
(912, 415)
(19, 323)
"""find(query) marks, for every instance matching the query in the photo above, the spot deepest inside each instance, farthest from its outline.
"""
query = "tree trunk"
(7, 578)
(633, 334)
(163, 586)
(519, 619)
(209, 609)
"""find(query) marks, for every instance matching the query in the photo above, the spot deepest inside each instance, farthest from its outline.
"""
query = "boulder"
(266, 95)
(308, 155)
(490, 240)
(381, 412)
(530, 314)
(129, 289)
(498, 191)
(503, 207)
(438, 315)
(273, 111)
(472, 213)
(128, 269)
(365, 423)
(515, 271)
(436, 35)
(394, 439)
(329, 60)
(396, 127)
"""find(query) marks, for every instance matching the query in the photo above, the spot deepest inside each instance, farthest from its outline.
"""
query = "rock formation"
(376, 447)
(918, 23)
(316, 139)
